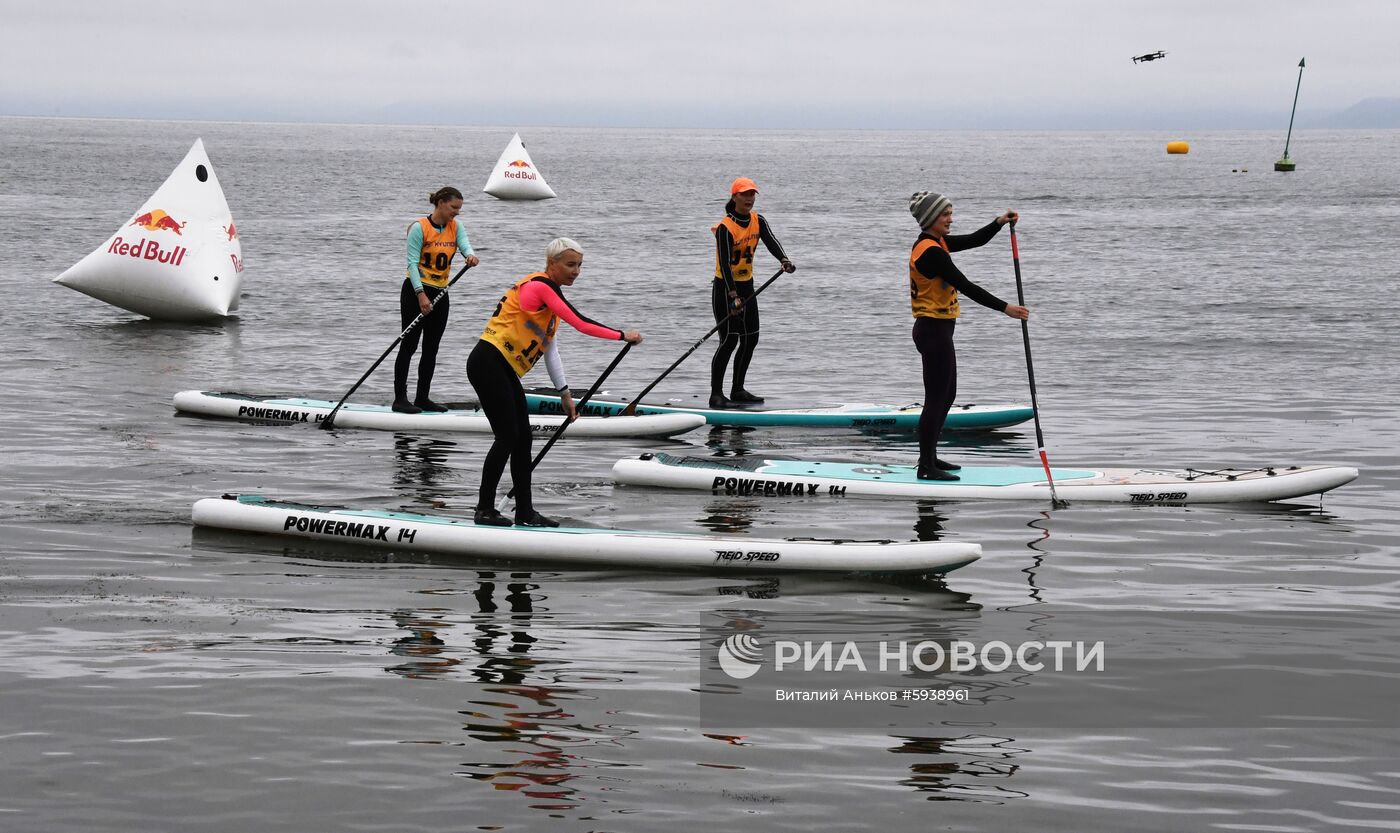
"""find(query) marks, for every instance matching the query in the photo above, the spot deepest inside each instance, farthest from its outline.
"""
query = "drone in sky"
(1151, 56)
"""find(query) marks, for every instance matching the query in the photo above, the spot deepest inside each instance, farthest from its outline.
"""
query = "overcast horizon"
(627, 63)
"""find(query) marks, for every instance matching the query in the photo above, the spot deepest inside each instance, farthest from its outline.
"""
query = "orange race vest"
(931, 297)
(521, 335)
(438, 250)
(741, 255)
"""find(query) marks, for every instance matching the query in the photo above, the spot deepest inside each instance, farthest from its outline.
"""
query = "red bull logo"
(157, 220)
(232, 232)
(521, 171)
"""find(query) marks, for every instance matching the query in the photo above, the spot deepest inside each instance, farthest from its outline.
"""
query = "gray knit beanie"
(926, 207)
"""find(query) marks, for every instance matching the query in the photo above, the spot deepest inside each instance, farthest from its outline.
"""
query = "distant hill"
(1368, 112)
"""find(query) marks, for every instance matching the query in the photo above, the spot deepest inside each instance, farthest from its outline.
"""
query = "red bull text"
(147, 250)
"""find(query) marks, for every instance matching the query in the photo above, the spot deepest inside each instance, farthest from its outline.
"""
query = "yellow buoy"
(1178, 147)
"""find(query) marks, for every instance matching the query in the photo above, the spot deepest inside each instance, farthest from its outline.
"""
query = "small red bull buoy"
(515, 176)
(1178, 147)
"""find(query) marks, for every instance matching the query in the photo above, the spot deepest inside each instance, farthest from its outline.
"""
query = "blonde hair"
(560, 245)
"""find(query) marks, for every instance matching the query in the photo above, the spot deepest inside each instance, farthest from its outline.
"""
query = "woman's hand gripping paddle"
(578, 407)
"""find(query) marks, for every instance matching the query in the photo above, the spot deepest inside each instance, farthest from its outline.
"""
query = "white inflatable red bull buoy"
(177, 259)
(515, 176)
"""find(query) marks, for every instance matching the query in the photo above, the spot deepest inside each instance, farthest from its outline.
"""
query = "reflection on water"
(966, 768)
(929, 525)
(146, 329)
(526, 728)
(1303, 512)
(1039, 546)
(730, 440)
(767, 588)
(517, 707)
(534, 713)
(491, 638)
(421, 463)
(1000, 443)
(421, 646)
(161, 348)
(729, 516)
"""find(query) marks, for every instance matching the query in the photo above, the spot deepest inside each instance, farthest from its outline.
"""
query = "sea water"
(1188, 311)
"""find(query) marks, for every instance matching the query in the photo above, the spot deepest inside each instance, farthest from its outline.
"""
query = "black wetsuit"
(430, 329)
(740, 330)
(502, 398)
(934, 336)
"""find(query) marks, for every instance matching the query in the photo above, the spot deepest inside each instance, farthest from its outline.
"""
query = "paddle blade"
(1055, 502)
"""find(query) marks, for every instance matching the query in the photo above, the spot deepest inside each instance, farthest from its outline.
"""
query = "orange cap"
(743, 184)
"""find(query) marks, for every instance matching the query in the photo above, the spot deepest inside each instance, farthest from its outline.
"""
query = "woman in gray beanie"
(934, 284)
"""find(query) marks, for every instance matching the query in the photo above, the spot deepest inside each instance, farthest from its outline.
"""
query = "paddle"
(1055, 501)
(329, 422)
(578, 407)
(631, 408)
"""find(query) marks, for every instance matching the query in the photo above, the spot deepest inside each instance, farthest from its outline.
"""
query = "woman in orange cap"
(732, 293)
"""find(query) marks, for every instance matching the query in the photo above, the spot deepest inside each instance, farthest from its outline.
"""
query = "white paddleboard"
(463, 419)
(786, 479)
(618, 547)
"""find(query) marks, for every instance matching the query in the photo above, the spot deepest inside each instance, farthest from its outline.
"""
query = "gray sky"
(718, 63)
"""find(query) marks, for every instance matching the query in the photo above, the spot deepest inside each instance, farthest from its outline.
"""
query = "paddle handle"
(329, 421)
(631, 408)
(1030, 371)
(1026, 337)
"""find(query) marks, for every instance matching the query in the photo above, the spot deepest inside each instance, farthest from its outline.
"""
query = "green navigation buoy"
(1286, 164)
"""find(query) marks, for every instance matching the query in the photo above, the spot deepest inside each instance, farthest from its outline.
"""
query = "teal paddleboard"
(867, 417)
